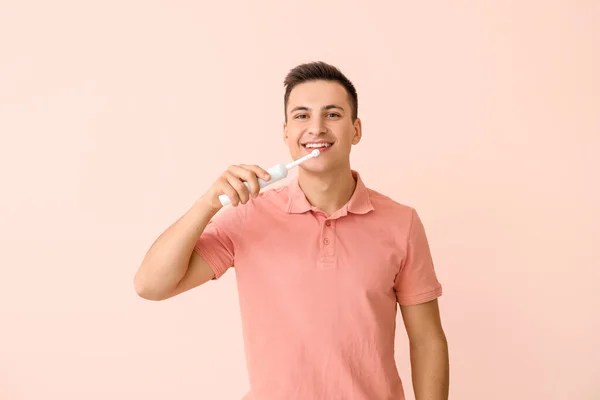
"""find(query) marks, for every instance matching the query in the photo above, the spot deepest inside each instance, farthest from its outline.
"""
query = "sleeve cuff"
(420, 298)
(211, 260)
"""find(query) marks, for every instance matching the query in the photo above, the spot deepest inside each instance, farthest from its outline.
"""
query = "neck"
(329, 191)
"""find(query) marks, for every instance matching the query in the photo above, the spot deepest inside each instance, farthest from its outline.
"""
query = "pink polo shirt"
(318, 295)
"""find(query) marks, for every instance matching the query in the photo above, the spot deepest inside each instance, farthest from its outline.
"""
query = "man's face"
(319, 116)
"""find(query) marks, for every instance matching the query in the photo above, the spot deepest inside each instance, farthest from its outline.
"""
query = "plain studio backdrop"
(116, 115)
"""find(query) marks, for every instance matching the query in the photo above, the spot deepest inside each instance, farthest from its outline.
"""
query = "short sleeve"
(416, 281)
(219, 241)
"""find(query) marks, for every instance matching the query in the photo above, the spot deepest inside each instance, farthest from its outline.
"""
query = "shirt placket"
(327, 243)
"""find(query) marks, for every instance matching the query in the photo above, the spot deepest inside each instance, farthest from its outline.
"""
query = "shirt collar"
(359, 203)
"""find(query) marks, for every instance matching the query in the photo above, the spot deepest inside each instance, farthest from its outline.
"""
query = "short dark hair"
(315, 71)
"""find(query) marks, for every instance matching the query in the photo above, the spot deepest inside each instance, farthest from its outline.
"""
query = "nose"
(317, 126)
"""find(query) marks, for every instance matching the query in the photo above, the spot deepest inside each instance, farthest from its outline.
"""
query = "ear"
(285, 132)
(357, 131)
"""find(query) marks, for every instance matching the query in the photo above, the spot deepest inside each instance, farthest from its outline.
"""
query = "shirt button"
(328, 223)
(326, 241)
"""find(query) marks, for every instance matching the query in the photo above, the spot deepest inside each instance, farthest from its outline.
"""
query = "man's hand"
(231, 183)
(428, 351)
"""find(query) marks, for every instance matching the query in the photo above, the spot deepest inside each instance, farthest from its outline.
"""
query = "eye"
(300, 116)
(333, 115)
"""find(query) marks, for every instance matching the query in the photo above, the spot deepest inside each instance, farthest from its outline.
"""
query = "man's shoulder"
(269, 198)
(274, 194)
(387, 204)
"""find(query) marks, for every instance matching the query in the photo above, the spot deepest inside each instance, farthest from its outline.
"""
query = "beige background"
(116, 115)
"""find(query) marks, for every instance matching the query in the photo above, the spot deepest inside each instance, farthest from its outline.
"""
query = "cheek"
(292, 138)
(345, 139)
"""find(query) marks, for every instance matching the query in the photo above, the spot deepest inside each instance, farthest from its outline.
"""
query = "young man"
(321, 263)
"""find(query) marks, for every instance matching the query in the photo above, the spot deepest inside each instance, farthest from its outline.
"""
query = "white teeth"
(317, 145)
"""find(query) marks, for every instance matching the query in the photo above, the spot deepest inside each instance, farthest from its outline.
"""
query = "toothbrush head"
(299, 161)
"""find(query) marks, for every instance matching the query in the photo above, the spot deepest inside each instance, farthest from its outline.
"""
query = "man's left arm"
(428, 350)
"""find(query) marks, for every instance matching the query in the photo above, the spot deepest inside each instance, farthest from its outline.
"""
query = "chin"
(319, 167)
(314, 169)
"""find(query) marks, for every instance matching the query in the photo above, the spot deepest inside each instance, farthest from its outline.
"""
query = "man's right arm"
(171, 266)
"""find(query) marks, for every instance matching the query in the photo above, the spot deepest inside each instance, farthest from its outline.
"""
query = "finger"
(241, 189)
(260, 172)
(248, 175)
(229, 190)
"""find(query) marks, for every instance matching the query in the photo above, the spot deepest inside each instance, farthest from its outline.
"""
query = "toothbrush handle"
(277, 173)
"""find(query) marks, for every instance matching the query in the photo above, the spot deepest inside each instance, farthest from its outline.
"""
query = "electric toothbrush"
(277, 173)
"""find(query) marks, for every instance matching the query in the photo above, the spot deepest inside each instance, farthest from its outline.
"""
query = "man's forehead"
(318, 94)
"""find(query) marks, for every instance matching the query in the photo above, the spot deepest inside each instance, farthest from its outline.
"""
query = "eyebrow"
(324, 108)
